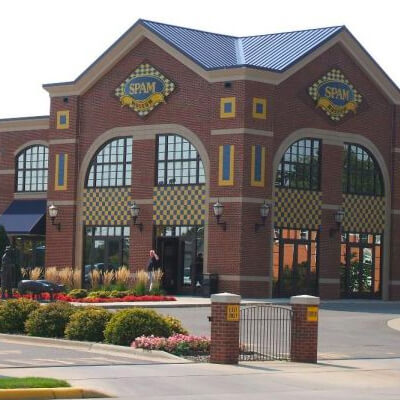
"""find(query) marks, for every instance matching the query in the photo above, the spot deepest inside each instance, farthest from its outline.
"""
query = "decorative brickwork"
(179, 205)
(297, 208)
(106, 206)
(363, 213)
(224, 332)
(304, 344)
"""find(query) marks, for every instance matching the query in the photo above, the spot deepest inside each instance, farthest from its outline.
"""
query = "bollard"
(225, 315)
(304, 343)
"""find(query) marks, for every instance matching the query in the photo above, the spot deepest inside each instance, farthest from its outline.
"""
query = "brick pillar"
(304, 328)
(225, 328)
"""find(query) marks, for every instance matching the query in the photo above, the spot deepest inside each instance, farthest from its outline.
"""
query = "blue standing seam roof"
(24, 217)
(275, 52)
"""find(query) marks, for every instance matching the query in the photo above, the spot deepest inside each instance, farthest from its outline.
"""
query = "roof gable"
(216, 58)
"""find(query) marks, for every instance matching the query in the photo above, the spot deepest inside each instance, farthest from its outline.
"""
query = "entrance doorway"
(295, 262)
(361, 265)
(181, 250)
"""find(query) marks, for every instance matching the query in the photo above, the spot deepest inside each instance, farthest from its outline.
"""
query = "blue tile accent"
(63, 119)
(259, 108)
(257, 161)
(226, 165)
(227, 108)
(61, 165)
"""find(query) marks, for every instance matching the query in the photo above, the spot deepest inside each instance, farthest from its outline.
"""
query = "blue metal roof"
(275, 52)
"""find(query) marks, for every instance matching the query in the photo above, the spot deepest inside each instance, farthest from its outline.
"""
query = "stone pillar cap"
(225, 298)
(304, 299)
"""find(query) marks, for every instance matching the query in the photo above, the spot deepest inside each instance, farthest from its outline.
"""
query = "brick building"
(301, 126)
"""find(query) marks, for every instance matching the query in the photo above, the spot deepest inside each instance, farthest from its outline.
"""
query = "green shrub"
(175, 325)
(119, 293)
(78, 293)
(102, 294)
(13, 314)
(88, 324)
(140, 289)
(50, 320)
(125, 326)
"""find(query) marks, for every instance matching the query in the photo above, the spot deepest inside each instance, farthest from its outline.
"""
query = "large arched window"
(361, 173)
(32, 169)
(300, 166)
(178, 162)
(112, 165)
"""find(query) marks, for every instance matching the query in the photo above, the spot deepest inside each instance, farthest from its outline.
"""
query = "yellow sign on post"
(312, 314)
(232, 312)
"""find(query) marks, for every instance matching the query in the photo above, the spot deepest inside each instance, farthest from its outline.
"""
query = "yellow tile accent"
(179, 205)
(107, 206)
(221, 180)
(227, 100)
(364, 214)
(65, 114)
(262, 115)
(253, 181)
(297, 209)
(65, 185)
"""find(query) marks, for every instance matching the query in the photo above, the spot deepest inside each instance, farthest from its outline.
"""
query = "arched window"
(361, 173)
(112, 165)
(178, 162)
(300, 166)
(32, 169)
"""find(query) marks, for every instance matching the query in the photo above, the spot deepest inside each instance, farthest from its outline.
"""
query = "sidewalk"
(330, 380)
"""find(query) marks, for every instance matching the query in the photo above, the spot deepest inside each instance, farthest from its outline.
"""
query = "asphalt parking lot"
(347, 329)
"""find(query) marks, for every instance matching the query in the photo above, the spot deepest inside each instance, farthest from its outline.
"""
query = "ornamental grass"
(141, 282)
(157, 280)
(95, 279)
(36, 273)
(123, 277)
(51, 274)
(66, 277)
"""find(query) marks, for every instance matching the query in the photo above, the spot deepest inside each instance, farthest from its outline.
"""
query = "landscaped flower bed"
(178, 344)
(69, 299)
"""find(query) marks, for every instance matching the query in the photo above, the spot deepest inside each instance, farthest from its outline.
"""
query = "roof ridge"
(297, 31)
(189, 29)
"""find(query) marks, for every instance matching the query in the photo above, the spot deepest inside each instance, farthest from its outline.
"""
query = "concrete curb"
(50, 393)
(99, 348)
(394, 324)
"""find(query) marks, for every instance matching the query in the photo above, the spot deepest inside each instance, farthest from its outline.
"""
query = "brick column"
(304, 328)
(225, 328)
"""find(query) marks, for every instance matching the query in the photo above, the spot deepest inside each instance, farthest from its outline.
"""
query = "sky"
(46, 41)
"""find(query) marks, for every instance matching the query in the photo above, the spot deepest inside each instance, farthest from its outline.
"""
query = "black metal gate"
(265, 332)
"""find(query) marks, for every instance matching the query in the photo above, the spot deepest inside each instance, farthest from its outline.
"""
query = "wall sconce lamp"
(218, 211)
(135, 211)
(264, 211)
(339, 217)
(53, 212)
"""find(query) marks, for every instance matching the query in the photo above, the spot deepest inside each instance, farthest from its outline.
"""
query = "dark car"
(38, 287)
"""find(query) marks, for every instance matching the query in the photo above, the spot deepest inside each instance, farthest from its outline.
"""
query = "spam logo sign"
(335, 95)
(144, 89)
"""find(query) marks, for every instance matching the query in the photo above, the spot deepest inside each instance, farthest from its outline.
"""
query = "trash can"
(210, 284)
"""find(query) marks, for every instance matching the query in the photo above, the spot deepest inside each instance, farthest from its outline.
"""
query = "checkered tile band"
(363, 213)
(146, 70)
(333, 75)
(297, 208)
(179, 205)
(106, 206)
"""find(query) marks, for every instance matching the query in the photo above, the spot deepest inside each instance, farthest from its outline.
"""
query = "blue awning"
(25, 217)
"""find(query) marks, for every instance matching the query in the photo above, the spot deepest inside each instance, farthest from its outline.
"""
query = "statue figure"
(7, 273)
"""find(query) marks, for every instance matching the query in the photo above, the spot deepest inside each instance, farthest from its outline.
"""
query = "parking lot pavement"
(347, 329)
(17, 355)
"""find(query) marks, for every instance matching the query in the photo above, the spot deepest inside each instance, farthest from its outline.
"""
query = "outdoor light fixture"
(264, 211)
(53, 212)
(218, 211)
(135, 211)
(339, 217)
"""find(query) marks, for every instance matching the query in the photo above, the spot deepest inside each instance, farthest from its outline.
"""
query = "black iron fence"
(265, 332)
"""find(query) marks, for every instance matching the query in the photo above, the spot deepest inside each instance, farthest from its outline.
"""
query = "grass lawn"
(31, 382)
